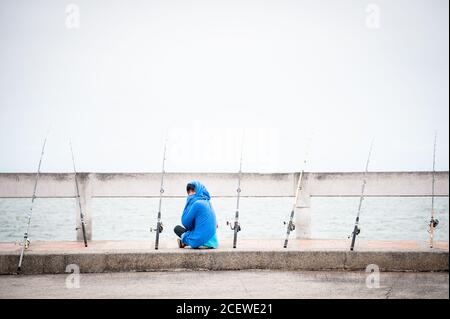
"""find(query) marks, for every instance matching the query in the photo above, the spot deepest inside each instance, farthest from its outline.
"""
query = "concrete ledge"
(398, 261)
(41, 262)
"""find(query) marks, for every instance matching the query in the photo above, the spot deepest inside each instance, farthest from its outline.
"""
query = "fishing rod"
(356, 229)
(83, 227)
(159, 224)
(237, 227)
(291, 224)
(26, 241)
(433, 221)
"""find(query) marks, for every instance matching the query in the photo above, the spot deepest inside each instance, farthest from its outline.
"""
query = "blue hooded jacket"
(199, 219)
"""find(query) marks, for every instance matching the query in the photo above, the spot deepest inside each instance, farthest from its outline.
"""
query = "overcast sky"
(118, 76)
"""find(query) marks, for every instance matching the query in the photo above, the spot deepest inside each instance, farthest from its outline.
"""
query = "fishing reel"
(234, 226)
(356, 232)
(159, 229)
(291, 225)
(27, 241)
(433, 223)
(26, 245)
(81, 224)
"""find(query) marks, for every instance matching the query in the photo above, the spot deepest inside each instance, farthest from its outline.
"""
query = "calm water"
(130, 218)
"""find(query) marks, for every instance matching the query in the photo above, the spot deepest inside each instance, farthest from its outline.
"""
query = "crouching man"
(198, 219)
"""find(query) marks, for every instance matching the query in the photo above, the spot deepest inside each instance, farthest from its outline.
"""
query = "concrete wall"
(91, 262)
(224, 185)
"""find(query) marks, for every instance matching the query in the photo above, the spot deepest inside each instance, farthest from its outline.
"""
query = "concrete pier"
(381, 184)
(303, 253)
(125, 256)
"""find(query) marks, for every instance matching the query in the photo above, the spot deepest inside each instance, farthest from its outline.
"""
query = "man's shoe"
(180, 244)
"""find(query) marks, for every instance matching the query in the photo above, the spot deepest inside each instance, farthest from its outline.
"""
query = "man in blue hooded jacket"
(198, 219)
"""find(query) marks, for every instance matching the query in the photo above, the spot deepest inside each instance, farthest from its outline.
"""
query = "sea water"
(382, 218)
